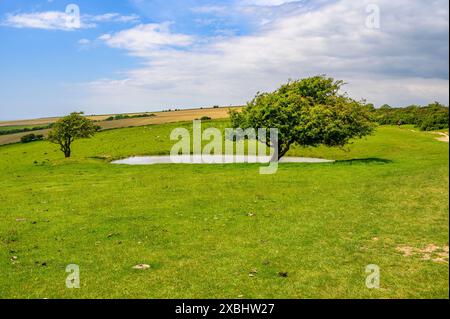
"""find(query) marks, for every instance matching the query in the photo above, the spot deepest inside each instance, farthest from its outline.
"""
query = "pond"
(212, 159)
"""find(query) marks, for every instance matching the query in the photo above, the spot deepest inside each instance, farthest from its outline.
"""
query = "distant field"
(159, 118)
(224, 231)
(181, 115)
(14, 138)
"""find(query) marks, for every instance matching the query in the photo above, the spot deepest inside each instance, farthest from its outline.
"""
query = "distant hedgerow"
(126, 116)
(434, 116)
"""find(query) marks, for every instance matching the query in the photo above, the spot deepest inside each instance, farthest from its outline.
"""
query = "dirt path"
(443, 137)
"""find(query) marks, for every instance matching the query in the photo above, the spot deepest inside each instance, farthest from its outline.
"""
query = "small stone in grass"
(13, 258)
(141, 267)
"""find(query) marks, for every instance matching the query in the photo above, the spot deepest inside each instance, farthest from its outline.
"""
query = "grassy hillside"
(101, 120)
(224, 230)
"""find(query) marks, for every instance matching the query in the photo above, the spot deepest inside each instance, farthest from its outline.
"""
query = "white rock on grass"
(141, 267)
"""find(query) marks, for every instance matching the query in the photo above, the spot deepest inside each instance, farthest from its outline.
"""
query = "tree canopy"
(69, 128)
(307, 112)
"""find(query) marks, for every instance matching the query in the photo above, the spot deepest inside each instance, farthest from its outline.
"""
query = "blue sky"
(144, 55)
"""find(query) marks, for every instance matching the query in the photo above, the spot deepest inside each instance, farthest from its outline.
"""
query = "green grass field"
(8, 128)
(204, 228)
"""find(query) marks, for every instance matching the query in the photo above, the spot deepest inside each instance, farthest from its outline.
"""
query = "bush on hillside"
(31, 138)
(431, 117)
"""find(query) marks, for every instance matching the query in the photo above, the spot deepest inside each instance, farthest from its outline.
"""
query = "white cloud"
(112, 17)
(56, 20)
(404, 62)
(146, 37)
(84, 42)
(49, 20)
(266, 2)
(401, 91)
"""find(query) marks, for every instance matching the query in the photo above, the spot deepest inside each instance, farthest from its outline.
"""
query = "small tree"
(69, 128)
(307, 112)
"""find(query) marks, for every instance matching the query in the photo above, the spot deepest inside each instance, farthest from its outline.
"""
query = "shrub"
(31, 138)
(205, 118)
(435, 121)
(431, 117)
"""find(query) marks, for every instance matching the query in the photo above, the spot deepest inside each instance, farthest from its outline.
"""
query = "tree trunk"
(281, 152)
(65, 147)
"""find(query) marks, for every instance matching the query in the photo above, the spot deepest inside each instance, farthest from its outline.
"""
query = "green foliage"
(307, 112)
(126, 116)
(205, 118)
(31, 138)
(18, 129)
(431, 117)
(69, 128)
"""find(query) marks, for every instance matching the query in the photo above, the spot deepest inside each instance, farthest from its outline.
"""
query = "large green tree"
(307, 112)
(69, 128)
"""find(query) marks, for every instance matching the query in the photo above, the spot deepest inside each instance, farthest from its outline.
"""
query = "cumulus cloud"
(405, 61)
(143, 38)
(49, 20)
(57, 20)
